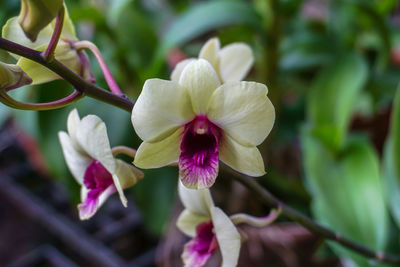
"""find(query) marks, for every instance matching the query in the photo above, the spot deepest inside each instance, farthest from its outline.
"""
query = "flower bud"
(11, 77)
(37, 14)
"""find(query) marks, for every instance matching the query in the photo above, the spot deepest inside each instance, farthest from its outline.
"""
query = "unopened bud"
(37, 14)
(12, 76)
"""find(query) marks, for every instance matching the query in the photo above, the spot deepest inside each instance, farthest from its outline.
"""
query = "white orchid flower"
(198, 121)
(89, 157)
(232, 62)
(209, 227)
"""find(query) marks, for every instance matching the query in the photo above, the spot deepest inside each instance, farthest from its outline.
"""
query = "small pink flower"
(198, 121)
(89, 157)
(209, 227)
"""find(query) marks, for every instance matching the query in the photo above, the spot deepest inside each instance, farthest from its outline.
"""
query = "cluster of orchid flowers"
(205, 113)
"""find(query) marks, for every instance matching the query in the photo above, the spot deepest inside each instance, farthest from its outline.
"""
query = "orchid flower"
(64, 51)
(209, 227)
(232, 62)
(198, 121)
(89, 157)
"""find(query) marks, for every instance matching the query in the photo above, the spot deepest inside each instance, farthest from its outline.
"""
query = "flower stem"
(11, 102)
(106, 72)
(267, 198)
(78, 82)
(48, 54)
(256, 221)
(123, 150)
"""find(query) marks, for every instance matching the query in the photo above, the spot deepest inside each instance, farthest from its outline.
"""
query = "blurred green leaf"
(332, 96)
(395, 132)
(347, 191)
(391, 161)
(208, 16)
(155, 196)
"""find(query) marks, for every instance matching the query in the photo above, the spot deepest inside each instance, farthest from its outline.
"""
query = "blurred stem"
(106, 71)
(11, 102)
(78, 82)
(117, 150)
(49, 52)
(256, 221)
(270, 200)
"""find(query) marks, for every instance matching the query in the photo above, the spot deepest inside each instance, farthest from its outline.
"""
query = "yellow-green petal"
(235, 61)
(189, 220)
(40, 74)
(176, 73)
(200, 79)
(160, 153)
(127, 174)
(161, 108)
(196, 200)
(228, 237)
(37, 14)
(12, 31)
(244, 159)
(210, 52)
(243, 111)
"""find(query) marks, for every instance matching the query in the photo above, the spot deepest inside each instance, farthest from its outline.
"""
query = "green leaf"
(155, 195)
(391, 161)
(332, 97)
(347, 192)
(395, 132)
(208, 16)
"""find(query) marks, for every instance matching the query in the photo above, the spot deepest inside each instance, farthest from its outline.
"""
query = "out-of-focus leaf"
(382, 29)
(208, 16)
(117, 6)
(395, 132)
(391, 161)
(332, 97)
(155, 195)
(347, 191)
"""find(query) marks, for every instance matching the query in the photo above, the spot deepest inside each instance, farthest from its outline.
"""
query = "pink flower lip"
(96, 179)
(198, 250)
(198, 162)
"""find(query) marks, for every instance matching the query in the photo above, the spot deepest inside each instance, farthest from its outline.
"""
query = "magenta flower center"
(200, 248)
(198, 162)
(97, 179)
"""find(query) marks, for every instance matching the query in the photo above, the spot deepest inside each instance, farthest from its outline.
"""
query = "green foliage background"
(324, 66)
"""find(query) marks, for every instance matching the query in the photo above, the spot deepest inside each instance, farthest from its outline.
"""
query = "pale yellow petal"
(92, 137)
(77, 162)
(210, 52)
(243, 110)
(127, 174)
(188, 221)
(12, 31)
(198, 201)
(200, 79)
(247, 160)
(235, 61)
(160, 153)
(40, 74)
(120, 191)
(228, 237)
(176, 73)
(160, 109)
